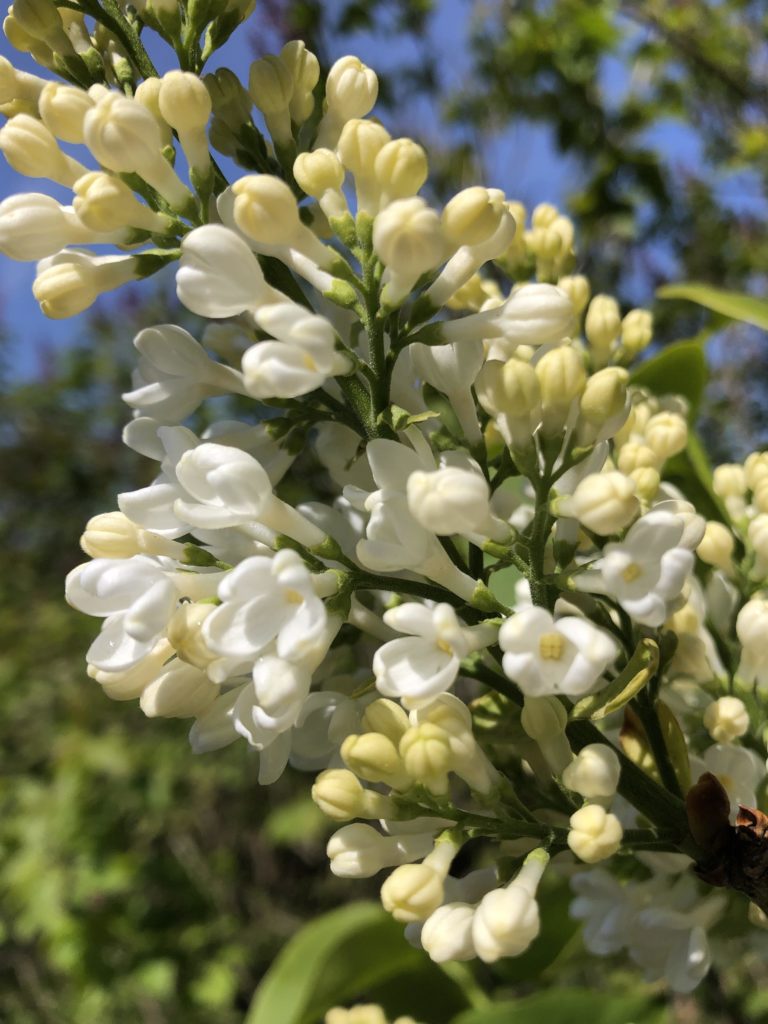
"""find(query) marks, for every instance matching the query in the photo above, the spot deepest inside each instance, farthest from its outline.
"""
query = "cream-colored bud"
(510, 393)
(359, 145)
(266, 209)
(68, 283)
(647, 481)
(41, 19)
(756, 469)
(602, 502)
(760, 495)
(716, 546)
(103, 202)
(562, 379)
(595, 834)
(413, 892)
(407, 237)
(543, 718)
(427, 756)
(602, 323)
(305, 72)
(185, 633)
(351, 89)
(473, 215)
(757, 535)
(605, 396)
(184, 101)
(374, 757)
(338, 793)
(544, 215)
(726, 719)
(31, 149)
(111, 535)
(636, 331)
(635, 455)
(63, 109)
(400, 168)
(667, 434)
(729, 480)
(387, 717)
(594, 772)
(578, 290)
(148, 95)
(318, 172)
(270, 83)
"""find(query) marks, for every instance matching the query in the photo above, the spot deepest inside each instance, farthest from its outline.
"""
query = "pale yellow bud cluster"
(743, 492)
(351, 90)
(550, 241)
(610, 337)
(654, 432)
(367, 1013)
(281, 87)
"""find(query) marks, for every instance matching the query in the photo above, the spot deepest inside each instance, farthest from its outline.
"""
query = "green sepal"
(398, 418)
(484, 601)
(341, 293)
(628, 683)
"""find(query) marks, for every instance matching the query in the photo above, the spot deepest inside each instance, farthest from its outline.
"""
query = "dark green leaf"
(679, 369)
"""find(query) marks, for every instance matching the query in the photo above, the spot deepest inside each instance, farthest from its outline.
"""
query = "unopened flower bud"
(756, 469)
(103, 202)
(30, 148)
(603, 405)
(602, 502)
(270, 84)
(63, 108)
(578, 290)
(374, 757)
(185, 634)
(757, 535)
(472, 216)
(113, 535)
(447, 933)
(667, 434)
(70, 282)
(602, 324)
(510, 393)
(351, 89)
(426, 753)
(340, 796)
(450, 500)
(318, 172)
(266, 209)
(636, 331)
(729, 480)
(594, 772)
(647, 481)
(716, 546)
(305, 73)
(185, 105)
(562, 379)
(726, 719)
(148, 95)
(635, 455)
(386, 717)
(507, 920)
(401, 169)
(359, 144)
(41, 19)
(407, 238)
(414, 891)
(544, 720)
(594, 834)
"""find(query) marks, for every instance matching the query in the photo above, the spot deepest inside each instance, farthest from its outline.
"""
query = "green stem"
(650, 721)
(542, 594)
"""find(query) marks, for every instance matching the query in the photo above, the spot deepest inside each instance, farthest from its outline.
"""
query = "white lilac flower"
(548, 656)
(507, 920)
(266, 600)
(136, 597)
(175, 374)
(426, 663)
(647, 571)
(752, 629)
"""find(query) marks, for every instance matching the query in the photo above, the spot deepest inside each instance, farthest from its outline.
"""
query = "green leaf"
(679, 369)
(336, 958)
(566, 1005)
(691, 472)
(630, 681)
(734, 305)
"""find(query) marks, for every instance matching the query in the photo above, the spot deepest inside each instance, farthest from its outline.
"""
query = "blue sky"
(540, 173)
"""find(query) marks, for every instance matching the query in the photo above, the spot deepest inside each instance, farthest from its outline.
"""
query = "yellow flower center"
(551, 646)
(631, 573)
(292, 596)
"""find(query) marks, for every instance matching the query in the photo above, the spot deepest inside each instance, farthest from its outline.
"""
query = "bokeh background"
(139, 883)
